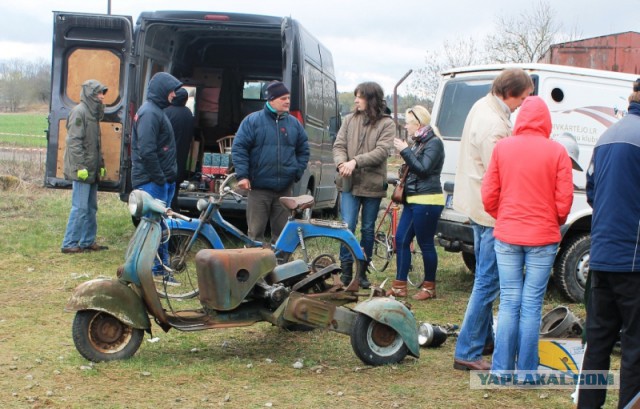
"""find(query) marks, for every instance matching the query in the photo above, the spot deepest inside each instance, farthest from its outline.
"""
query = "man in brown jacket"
(360, 152)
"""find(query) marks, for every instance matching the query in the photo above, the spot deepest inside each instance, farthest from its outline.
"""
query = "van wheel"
(572, 267)
(469, 261)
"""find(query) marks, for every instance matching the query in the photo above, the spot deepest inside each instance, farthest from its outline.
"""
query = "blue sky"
(371, 40)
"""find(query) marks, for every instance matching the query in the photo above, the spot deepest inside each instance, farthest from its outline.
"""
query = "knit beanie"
(276, 89)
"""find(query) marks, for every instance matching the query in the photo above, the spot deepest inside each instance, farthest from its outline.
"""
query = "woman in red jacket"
(528, 189)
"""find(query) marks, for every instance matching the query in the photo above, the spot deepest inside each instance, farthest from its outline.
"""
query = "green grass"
(233, 368)
(23, 130)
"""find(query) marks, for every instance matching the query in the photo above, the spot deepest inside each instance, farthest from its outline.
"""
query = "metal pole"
(395, 98)
(108, 6)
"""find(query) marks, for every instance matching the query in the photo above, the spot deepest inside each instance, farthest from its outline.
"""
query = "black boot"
(364, 282)
(347, 273)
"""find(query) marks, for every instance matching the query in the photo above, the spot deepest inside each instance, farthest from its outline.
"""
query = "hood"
(160, 86)
(89, 96)
(181, 98)
(533, 118)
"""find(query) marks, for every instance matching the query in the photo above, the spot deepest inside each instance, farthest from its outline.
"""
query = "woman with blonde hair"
(423, 201)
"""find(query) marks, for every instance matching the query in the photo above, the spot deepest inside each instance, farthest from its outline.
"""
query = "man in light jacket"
(487, 123)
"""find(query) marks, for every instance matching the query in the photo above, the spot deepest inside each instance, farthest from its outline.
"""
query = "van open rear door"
(89, 46)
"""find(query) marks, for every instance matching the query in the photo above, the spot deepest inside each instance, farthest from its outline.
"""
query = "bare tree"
(457, 53)
(23, 83)
(525, 37)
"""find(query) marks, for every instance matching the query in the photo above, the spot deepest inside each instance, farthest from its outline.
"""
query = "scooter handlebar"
(176, 215)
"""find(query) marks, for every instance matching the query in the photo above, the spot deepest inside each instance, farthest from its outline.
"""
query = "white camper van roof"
(533, 67)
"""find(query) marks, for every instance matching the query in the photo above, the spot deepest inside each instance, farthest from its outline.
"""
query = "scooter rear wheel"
(100, 337)
(376, 343)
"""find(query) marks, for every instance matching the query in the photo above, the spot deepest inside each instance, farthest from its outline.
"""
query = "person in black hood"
(153, 148)
(181, 119)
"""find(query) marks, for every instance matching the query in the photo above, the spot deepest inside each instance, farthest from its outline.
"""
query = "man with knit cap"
(84, 166)
(270, 153)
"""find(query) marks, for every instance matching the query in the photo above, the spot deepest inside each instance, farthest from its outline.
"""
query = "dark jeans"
(264, 206)
(614, 304)
(417, 221)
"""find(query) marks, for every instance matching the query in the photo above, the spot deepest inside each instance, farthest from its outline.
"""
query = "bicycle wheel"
(320, 252)
(416, 268)
(382, 252)
(182, 283)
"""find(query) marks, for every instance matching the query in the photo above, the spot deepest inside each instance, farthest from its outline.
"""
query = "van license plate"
(449, 201)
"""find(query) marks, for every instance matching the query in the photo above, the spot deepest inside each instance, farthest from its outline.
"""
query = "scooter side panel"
(112, 297)
(226, 277)
(394, 314)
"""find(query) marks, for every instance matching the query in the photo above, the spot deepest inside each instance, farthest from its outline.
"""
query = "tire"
(183, 265)
(321, 251)
(101, 337)
(469, 260)
(416, 268)
(382, 252)
(572, 266)
(376, 343)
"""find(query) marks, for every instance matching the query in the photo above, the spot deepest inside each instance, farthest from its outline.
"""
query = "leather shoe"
(95, 247)
(487, 350)
(479, 365)
(71, 250)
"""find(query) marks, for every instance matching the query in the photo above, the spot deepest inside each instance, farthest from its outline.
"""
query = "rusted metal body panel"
(615, 52)
(112, 297)
(225, 277)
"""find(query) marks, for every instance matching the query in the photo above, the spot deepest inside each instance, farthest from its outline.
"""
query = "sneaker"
(167, 279)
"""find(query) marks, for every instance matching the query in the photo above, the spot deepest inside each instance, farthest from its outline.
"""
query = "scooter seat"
(298, 202)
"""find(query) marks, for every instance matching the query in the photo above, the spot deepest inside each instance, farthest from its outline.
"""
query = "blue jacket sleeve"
(590, 181)
(302, 152)
(148, 128)
(240, 150)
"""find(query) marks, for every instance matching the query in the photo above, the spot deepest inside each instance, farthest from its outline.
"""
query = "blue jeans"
(349, 209)
(477, 327)
(524, 273)
(165, 193)
(82, 225)
(425, 218)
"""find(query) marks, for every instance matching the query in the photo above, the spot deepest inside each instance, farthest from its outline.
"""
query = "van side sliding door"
(89, 46)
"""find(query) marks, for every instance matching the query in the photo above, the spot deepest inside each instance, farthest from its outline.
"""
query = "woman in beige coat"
(360, 153)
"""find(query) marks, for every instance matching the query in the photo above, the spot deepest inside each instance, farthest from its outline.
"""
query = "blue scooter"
(315, 241)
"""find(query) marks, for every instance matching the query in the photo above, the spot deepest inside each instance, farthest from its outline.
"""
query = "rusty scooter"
(238, 287)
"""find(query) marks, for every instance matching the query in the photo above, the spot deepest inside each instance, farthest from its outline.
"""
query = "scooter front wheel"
(100, 337)
(376, 343)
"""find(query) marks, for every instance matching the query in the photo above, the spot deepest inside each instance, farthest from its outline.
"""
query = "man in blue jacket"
(613, 304)
(270, 152)
(153, 147)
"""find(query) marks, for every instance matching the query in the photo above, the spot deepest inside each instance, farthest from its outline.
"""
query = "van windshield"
(458, 96)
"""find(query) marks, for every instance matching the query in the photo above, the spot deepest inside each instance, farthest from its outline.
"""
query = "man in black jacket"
(181, 119)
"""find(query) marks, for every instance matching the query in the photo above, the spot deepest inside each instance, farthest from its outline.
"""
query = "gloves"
(103, 172)
(83, 174)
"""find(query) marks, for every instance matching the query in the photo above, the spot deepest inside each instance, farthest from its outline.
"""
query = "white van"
(225, 60)
(583, 102)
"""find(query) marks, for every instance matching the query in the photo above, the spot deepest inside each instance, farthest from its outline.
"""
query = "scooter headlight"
(202, 204)
(141, 203)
